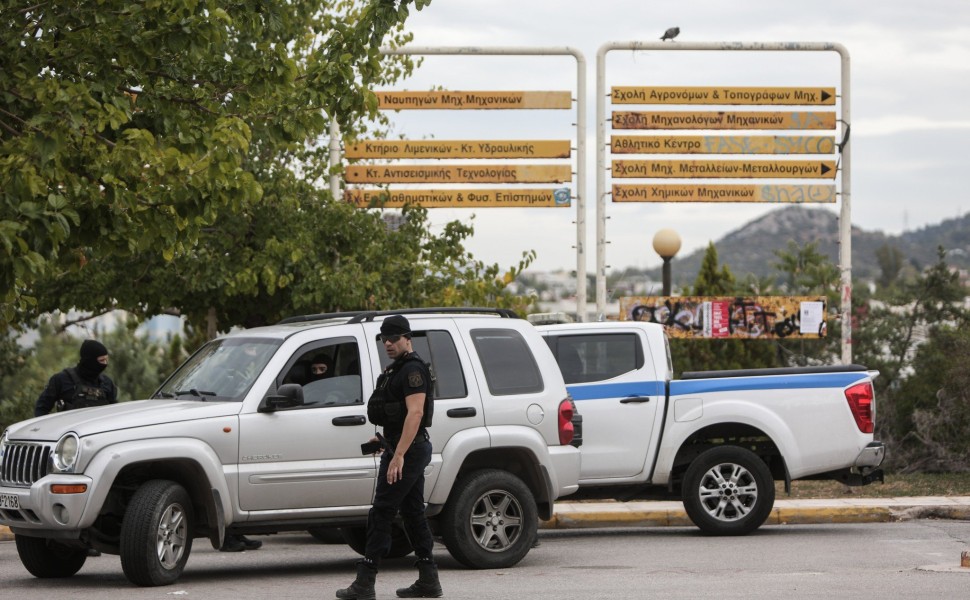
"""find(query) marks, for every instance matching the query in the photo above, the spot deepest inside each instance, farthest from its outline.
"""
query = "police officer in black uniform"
(401, 404)
(81, 386)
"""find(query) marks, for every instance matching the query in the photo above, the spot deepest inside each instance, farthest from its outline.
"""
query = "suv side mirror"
(287, 395)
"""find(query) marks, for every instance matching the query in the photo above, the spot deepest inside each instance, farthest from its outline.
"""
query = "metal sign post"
(580, 190)
(805, 96)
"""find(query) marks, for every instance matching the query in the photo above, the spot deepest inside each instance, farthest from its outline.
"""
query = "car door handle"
(351, 420)
(635, 400)
(460, 413)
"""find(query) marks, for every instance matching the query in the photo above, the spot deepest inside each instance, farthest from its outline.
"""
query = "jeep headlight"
(65, 453)
(3, 445)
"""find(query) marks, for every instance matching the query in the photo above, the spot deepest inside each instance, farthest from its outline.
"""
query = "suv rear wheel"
(491, 520)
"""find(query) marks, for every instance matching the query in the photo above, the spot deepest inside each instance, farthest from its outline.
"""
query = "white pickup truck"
(241, 439)
(718, 439)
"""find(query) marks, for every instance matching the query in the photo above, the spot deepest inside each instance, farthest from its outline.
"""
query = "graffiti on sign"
(723, 120)
(722, 144)
(703, 317)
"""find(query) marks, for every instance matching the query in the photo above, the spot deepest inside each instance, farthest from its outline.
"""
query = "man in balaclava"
(81, 386)
(321, 367)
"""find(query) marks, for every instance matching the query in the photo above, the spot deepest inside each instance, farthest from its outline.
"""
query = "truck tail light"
(860, 397)
(566, 430)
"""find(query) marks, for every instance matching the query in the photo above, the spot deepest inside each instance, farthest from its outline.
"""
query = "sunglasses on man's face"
(390, 338)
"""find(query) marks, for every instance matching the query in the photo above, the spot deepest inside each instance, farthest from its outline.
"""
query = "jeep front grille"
(23, 464)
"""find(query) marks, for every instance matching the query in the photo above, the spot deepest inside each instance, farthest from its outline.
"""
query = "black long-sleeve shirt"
(61, 387)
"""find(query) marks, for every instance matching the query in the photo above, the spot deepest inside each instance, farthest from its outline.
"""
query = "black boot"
(427, 585)
(363, 587)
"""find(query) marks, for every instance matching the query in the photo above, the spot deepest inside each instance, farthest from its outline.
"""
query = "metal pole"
(601, 182)
(845, 216)
(334, 159)
(666, 275)
(580, 191)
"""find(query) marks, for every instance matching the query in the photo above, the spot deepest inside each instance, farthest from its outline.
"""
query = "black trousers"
(405, 496)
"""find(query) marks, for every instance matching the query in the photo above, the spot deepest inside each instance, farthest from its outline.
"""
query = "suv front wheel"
(156, 533)
(491, 520)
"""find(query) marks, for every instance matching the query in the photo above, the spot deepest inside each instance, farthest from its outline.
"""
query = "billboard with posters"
(753, 317)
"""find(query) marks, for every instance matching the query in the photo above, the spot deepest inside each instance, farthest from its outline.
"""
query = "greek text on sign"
(459, 149)
(461, 198)
(723, 120)
(732, 169)
(721, 144)
(444, 100)
(489, 173)
(776, 96)
(790, 194)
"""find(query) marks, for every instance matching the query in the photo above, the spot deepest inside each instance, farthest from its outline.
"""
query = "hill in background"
(751, 249)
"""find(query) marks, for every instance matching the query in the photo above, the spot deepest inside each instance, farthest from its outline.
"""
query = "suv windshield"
(221, 370)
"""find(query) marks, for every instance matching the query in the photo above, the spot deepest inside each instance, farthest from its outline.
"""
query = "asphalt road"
(915, 559)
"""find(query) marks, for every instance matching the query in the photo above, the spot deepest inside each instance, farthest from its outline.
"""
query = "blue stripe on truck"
(598, 391)
(724, 384)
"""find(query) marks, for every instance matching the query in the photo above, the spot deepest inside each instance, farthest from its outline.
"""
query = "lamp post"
(666, 243)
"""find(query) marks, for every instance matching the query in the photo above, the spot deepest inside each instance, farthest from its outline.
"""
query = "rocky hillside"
(751, 249)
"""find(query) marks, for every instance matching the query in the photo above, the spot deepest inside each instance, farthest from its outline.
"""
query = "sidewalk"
(578, 515)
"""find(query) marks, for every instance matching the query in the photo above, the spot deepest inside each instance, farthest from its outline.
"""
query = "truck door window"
(329, 372)
(586, 358)
(507, 360)
(438, 348)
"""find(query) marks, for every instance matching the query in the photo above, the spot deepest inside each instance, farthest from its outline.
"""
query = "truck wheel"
(49, 559)
(728, 491)
(356, 538)
(490, 521)
(156, 534)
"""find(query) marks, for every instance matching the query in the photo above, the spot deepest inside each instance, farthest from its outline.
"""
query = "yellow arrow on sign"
(721, 144)
(723, 120)
(794, 194)
(461, 198)
(434, 173)
(734, 96)
(444, 100)
(731, 169)
(459, 149)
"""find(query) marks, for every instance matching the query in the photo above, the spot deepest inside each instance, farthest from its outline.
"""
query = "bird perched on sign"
(670, 34)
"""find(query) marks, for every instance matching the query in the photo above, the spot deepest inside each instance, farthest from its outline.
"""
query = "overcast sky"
(909, 91)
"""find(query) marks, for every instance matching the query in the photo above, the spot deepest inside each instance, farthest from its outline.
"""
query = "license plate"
(9, 501)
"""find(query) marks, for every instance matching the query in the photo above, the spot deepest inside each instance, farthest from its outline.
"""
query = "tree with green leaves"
(137, 130)
(710, 355)
(892, 331)
(804, 271)
(137, 365)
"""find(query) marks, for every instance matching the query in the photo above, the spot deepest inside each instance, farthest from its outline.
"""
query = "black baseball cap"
(395, 325)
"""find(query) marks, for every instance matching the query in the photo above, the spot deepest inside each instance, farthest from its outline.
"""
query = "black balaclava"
(324, 360)
(89, 367)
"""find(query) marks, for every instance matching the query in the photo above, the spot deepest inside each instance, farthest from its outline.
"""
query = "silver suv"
(241, 440)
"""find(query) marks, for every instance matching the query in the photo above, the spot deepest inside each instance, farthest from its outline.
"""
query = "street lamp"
(666, 243)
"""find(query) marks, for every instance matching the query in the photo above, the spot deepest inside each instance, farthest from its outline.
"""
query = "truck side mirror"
(287, 395)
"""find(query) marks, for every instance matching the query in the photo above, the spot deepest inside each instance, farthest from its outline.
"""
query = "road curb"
(623, 515)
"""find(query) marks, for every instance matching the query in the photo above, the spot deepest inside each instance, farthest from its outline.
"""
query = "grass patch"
(896, 485)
